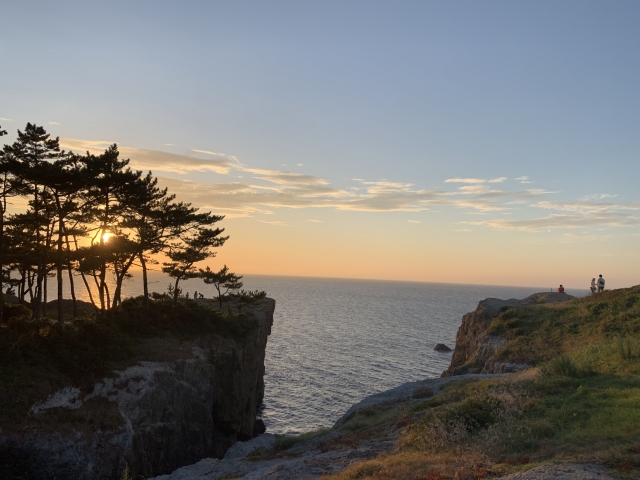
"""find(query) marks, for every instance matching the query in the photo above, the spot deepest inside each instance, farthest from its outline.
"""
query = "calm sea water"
(336, 341)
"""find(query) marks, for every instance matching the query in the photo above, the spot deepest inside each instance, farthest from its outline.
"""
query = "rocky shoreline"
(315, 457)
(332, 451)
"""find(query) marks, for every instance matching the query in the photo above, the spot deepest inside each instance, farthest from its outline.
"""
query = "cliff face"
(193, 399)
(475, 348)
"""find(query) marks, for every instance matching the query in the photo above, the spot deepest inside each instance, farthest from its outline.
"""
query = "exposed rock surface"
(194, 401)
(312, 460)
(403, 392)
(474, 348)
(243, 449)
(441, 347)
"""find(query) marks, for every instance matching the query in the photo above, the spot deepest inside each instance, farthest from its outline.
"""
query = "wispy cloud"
(283, 178)
(465, 180)
(154, 159)
(600, 196)
(562, 221)
(208, 152)
(54, 123)
(586, 206)
(523, 179)
(2, 119)
(266, 190)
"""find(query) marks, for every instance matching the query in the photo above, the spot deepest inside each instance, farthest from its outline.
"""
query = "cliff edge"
(476, 348)
(177, 401)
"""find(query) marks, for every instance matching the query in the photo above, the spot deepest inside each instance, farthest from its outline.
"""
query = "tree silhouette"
(74, 202)
(221, 280)
(192, 250)
(30, 152)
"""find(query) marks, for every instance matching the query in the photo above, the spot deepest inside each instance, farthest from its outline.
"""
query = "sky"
(492, 142)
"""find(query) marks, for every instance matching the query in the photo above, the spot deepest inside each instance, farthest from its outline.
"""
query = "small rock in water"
(441, 347)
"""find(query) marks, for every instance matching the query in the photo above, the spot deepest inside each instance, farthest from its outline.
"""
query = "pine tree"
(221, 280)
(30, 154)
(192, 250)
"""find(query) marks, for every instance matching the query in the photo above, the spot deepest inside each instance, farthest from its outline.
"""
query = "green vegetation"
(600, 332)
(284, 442)
(580, 404)
(89, 345)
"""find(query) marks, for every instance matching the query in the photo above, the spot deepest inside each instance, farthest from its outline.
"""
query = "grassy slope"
(581, 402)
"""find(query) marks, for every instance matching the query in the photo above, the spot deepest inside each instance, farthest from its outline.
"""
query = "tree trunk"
(86, 284)
(106, 289)
(1, 264)
(70, 270)
(101, 287)
(45, 259)
(59, 259)
(102, 303)
(84, 279)
(145, 283)
(36, 303)
(175, 290)
(120, 278)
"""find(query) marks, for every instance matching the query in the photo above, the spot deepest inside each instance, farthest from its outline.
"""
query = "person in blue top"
(600, 284)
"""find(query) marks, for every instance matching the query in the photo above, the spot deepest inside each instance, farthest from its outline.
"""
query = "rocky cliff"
(475, 348)
(181, 401)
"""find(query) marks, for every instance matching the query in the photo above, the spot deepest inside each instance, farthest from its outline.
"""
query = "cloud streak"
(154, 159)
(266, 190)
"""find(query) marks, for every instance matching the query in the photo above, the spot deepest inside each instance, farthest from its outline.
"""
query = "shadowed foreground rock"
(196, 400)
(474, 348)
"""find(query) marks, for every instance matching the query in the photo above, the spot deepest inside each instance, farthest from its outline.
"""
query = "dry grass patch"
(419, 466)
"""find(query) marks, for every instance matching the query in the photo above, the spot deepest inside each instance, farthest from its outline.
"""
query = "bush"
(86, 347)
(186, 317)
(560, 366)
(475, 413)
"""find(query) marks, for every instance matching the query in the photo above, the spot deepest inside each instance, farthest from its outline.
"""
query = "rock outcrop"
(475, 348)
(194, 400)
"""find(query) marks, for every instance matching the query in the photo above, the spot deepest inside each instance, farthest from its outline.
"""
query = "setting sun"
(107, 236)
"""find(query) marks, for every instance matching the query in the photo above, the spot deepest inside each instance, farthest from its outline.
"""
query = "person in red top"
(560, 289)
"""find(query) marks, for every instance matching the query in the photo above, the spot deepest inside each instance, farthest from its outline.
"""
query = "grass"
(285, 442)
(370, 417)
(538, 333)
(580, 404)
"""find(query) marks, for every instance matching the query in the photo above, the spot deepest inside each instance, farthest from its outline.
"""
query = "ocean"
(336, 341)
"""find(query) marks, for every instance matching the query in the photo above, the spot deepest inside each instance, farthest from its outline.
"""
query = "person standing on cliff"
(593, 286)
(600, 284)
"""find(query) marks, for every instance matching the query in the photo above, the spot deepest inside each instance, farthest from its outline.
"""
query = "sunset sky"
(492, 142)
